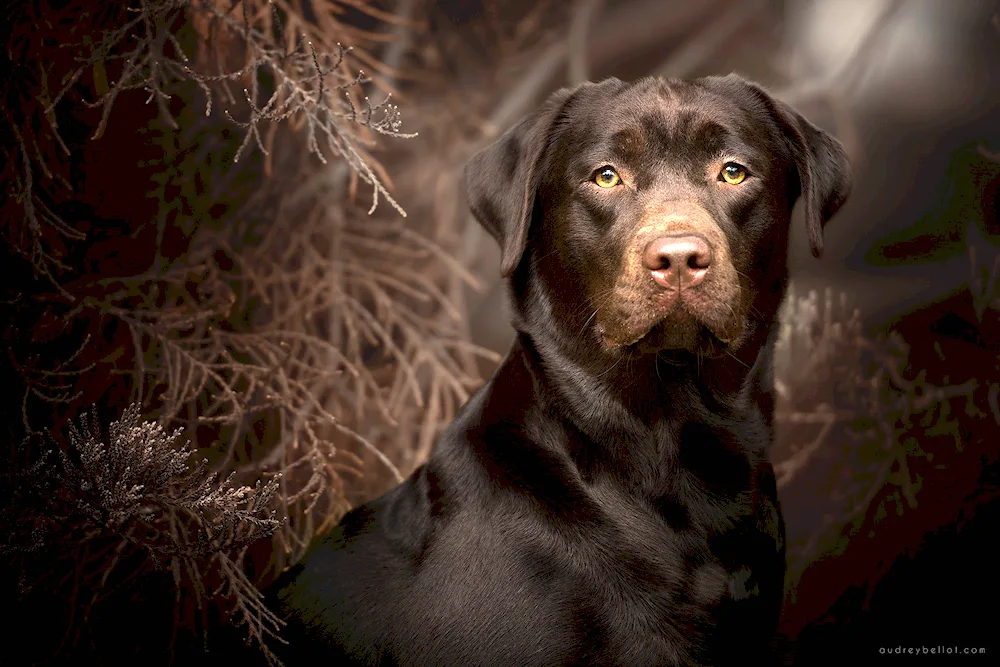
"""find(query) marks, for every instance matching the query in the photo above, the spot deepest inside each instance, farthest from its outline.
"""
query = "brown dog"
(606, 498)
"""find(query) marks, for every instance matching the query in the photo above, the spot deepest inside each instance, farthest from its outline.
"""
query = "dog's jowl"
(606, 498)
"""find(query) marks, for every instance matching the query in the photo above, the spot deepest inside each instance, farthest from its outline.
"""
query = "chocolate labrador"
(606, 498)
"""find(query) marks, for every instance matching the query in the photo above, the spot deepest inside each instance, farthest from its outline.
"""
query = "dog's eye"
(607, 177)
(733, 173)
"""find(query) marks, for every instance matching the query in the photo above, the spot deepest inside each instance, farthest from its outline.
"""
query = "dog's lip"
(612, 344)
(616, 344)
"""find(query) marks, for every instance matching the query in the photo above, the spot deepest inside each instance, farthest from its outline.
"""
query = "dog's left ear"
(502, 179)
(824, 172)
(823, 168)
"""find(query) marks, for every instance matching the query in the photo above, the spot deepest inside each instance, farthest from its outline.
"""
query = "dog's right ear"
(502, 179)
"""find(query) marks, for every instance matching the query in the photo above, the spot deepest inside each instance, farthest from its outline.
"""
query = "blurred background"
(226, 250)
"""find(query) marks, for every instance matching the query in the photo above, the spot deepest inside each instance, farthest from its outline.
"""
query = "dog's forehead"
(653, 113)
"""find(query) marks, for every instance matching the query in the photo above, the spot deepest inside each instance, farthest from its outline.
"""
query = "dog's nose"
(678, 262)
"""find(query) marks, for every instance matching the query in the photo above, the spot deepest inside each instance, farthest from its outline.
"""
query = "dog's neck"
(569, 412)
(636, 387)
(637, 391)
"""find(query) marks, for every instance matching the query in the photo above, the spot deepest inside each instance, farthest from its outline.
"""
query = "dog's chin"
(671, 334)
(703, 341)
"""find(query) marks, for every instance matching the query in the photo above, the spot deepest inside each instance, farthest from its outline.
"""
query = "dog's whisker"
(605, 296)
(608, 370)
(590, 301)
(743, 363)
(586, 323)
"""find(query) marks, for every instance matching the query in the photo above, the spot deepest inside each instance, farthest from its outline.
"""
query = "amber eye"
(607, 177)
(733, 173)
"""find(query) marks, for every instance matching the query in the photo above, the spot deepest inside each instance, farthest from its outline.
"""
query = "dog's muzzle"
(677, 283)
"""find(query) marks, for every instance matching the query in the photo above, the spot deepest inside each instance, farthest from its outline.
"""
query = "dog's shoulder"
(338, 599)
(378, 546)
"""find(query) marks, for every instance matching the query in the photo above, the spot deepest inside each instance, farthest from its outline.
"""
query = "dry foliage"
(135, 489)
(297, 337)
(854, 407)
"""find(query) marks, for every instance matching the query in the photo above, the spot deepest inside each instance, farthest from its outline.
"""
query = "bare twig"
(402, 41)
(786, 469)
(578, 40)
(685, 59)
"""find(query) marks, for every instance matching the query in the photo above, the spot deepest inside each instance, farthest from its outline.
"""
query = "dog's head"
(655, 214)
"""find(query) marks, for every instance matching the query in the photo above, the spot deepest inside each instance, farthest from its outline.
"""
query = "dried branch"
(402, 41)
(302, 342)
(685, 59)
(786, 469)
(578, 40)
(852, 401)
(135, 489)
(984, 283)
(310, 88)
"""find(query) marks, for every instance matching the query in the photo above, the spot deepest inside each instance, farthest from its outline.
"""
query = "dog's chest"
(689, 547)
(627, 589)
(687, 572)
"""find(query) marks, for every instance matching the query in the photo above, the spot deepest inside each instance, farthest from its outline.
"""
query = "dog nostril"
(700, 260)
